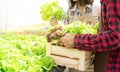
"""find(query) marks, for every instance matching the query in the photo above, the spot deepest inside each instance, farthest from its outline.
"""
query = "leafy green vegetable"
(78, 27)
(47, 63)
(52, 10)
(23, 53)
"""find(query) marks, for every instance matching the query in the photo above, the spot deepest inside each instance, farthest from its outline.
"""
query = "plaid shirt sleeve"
(110, 38)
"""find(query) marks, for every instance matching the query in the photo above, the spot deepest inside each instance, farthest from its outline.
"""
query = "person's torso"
(74, 15)
(114, 56)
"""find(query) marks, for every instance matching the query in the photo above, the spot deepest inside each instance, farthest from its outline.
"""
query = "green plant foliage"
(23, 53)
(52, 10)
(47, 63)
(78, 27)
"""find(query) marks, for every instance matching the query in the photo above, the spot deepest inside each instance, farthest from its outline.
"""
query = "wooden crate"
(72, 58)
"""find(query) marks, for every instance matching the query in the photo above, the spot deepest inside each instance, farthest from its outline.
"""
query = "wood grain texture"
(72, 58)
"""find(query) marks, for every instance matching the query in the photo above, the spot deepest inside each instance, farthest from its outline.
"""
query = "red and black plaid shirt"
(107, 40)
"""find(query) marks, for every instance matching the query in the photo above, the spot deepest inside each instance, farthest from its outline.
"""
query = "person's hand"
(67, 40)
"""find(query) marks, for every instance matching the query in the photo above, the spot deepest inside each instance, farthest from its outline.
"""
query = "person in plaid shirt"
(107, 40)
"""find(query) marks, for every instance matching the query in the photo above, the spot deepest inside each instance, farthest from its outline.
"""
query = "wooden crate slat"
(72, 53)
(87, 64)
(72, 58)
(48, 49)
(82, 61)
(72, 63)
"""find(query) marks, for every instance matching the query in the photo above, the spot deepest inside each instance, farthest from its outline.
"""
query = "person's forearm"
(104, 41)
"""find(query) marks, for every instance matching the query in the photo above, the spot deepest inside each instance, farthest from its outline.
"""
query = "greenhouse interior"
(50, 35)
